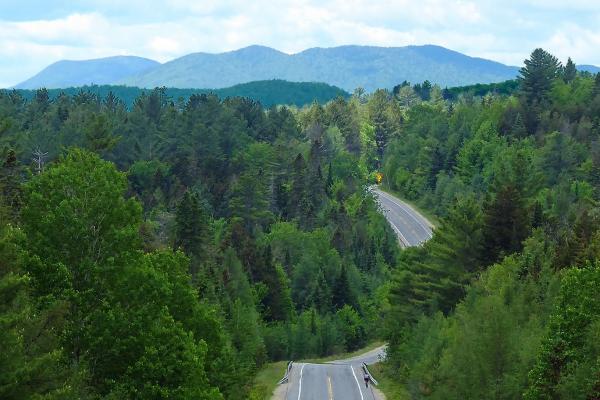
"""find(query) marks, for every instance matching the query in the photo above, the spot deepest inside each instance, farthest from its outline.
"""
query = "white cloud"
(177, 27)
(573, 41)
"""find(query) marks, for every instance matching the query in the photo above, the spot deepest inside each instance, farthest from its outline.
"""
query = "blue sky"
(35, 33)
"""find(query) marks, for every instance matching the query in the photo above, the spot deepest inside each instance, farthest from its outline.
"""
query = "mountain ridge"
(347, 67)
(105, 70)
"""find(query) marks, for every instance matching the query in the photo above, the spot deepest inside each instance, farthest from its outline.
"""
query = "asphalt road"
(337, 380)
(411, 227)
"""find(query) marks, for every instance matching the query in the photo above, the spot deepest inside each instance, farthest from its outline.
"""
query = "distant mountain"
(347, 67)
(268, 93)
(589, 68)
(99, 71)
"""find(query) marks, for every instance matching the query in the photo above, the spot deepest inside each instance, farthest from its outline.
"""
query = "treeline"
(170, 250)
(268, 93)
(503, 302)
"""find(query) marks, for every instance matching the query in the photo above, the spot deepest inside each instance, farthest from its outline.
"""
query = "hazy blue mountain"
(99, 71)
(347, 67)
(589, 68)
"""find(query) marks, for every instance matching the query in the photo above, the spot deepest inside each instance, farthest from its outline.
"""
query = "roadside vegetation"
(502, 302)
(175, 249)
(171, 250)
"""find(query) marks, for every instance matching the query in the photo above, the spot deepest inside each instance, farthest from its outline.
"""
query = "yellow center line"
(329, 388)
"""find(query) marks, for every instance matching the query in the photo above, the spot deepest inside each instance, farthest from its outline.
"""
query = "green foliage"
(570, 71)
(268, 93)
(112, 291)
(282, 248)
(500, 303)
(568, 364)
(284, 252)
(537, 75)
(480, 90)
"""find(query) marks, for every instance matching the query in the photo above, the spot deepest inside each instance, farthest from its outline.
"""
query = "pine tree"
(342, 293)
(379, 116)
(10, 188)
(537, 215)
(537, 75)
(322, 295)
(192, 227)
(329, 182)
(570, 71)
(518, 129)
(506, 224)
(298, 199)
(278, 301)
(98, 135)
(595, 169)
(596, 89)
(344, 115)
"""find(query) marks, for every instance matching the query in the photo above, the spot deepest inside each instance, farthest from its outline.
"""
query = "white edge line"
(409, 210)
(357, 384)
(399, 233)
(414, 214)
(300, 385)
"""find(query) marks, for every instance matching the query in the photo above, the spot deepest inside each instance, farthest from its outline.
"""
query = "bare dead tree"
(39, 159)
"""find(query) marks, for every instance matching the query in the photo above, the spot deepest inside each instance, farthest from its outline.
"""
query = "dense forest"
(503, 302)
(268, 93)
(171, 248)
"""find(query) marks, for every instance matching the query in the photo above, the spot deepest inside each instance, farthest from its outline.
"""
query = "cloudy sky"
(35, 33)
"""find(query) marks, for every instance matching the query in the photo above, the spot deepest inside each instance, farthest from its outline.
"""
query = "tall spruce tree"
(596, 89)
(537, 75)
(569, 73)
(342, 293)
(506, 223)
(10, 186)
(192, 226)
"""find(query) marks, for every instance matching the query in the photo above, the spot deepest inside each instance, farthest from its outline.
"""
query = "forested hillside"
(503, 302)
(347, 67)
(170, 249)
(268, 93)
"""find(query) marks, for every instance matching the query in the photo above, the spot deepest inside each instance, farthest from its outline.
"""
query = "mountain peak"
(347, 67)
(73, 73)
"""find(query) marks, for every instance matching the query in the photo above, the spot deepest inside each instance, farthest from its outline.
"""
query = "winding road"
(335, 380)
(343, 379)
(411, 227)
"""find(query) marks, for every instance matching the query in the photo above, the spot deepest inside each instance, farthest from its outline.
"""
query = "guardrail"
(287, 373)
(366, 371)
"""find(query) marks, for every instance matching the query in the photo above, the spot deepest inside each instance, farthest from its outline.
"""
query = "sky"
(36, 33)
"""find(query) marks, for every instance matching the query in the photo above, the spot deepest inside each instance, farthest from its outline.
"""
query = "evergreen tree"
(10, 186)
(569, 72)
(298, 199)
(322, 296)
(98, 135)
(506, 224)
(192, 229)
(278, 301)
(342, 293)
(596, 89)
(537, 75)
(518, 129)
(378, 117)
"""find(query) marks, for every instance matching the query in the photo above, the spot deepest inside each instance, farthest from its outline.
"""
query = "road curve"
(336, 380)
(411, 227)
